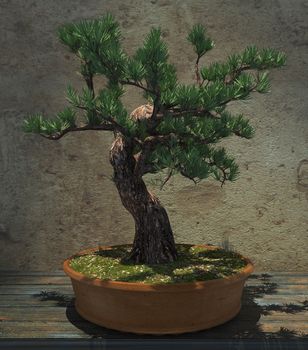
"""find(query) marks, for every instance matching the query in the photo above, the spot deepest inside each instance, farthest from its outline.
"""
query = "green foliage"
(92, 118)
(192, 163)
(94, 34)
(170, 124)
(269, 58)
(135, 70)
(50, 126)
(214, 129)
(250, 58)
(199, 41)
(84, 101)
(209, 129)
(195, 160)
(97, 44)
(237, 125)
(263, 85)
(72, 96)
(223, 167)
(161, 157)
(249, 55)
(40, 125)
(105, 105)
(168, 97)
(214, 94)
(258, 58)
(215, 71)
(187, 97)
(67, 116)
(151, 59)
(168, 81)
(154, 50)
(109, 105)
(111, 62)
(87, 99)
(33, 123)
(141, 129)
(243, 86)
(234, 62)
(194, 114)
(87, 70)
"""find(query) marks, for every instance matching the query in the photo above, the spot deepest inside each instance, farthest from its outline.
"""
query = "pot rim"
(138, 286)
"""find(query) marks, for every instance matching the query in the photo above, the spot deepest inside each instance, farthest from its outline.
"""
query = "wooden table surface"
(39, 306)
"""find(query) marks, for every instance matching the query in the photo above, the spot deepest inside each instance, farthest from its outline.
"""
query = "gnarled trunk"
(154, 242)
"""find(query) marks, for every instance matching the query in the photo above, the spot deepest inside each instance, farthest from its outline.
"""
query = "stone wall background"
(55, 196)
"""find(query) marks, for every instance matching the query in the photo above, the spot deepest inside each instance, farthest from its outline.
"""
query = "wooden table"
(37, 312)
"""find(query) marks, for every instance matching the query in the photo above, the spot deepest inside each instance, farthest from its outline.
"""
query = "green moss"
(193, 264)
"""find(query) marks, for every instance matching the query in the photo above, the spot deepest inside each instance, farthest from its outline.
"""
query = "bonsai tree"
(176, 130)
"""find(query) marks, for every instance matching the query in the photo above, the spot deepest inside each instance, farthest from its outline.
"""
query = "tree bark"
(154, 241)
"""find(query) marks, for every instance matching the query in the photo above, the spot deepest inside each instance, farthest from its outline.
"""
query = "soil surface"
(56, 197)
(194, 263)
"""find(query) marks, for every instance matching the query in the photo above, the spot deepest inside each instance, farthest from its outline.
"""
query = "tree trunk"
(154, 242)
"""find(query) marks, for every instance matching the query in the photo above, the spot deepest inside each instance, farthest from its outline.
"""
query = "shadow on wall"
(243, 326)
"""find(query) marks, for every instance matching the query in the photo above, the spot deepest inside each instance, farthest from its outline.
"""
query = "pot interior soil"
(194, 263)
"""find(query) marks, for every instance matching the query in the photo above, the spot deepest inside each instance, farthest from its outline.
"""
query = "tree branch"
(179, 113)
(189, 177)
(128, 82)
(149, 143)
(156, 106)
(90, 84)
(224, 175)
(87, 74)
(223, 171)
(117, 127)
(234, 99)
(167, 178)
(229, 79)
(83, 128)
(197, 112)
(197, 71)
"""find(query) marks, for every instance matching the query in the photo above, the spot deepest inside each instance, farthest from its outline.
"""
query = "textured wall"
(55, 196)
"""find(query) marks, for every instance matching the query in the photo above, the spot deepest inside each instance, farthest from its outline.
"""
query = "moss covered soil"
(193, 264)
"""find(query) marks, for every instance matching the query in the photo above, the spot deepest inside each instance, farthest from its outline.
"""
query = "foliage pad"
(187, 120)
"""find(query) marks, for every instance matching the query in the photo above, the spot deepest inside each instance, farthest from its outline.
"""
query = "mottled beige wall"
(56, 198)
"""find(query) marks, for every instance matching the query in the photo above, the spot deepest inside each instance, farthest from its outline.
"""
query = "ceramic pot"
(157, 309)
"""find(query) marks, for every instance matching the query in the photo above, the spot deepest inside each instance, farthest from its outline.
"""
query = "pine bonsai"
(176, 130)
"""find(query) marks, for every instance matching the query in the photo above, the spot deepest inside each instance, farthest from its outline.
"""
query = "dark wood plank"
(30, 280)
(174, 343)
(303, 280)
(31, 273)
(59, 314)
(281, 273)
(38, 329)
(33, 289)
(280, 299)
(290, 325)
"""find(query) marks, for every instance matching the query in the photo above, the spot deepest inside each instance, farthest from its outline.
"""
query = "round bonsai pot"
(157, 309)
